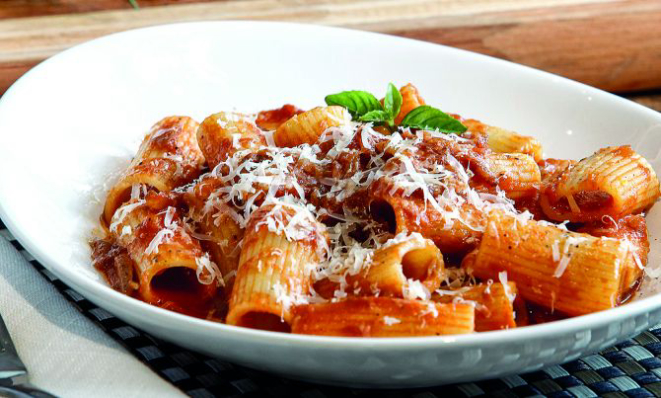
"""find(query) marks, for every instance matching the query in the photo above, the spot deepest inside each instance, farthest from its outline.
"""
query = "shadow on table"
(25, 286)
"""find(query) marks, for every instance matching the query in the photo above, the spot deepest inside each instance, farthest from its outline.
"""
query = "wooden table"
(611, 44)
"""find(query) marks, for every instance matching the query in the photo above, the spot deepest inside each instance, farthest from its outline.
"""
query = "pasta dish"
(373, 218)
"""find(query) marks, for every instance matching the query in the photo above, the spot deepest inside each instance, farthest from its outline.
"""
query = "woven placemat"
(630, 369)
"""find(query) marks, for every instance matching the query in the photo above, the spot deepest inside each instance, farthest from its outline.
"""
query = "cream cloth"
(66, 354)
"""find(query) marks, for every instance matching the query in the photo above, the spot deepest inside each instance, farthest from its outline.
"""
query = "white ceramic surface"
(77, 118)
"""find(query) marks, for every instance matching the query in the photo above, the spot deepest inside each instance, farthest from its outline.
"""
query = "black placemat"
(630, 369)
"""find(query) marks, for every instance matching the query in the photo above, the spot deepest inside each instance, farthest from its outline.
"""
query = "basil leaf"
(376, 116)
(358, 103)
(429, 118)
(392, 101)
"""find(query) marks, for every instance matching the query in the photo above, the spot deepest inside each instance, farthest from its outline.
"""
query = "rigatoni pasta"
(222, 134)
(217, 228)
(172, 270)
(454, 231)
(275, 267)
(406, 263)
(516, 174)
(566, 271)
(501, 140)
(631, 231)
(383, 317)
(307, 127)
(614, 182)
(493, 302)
(372, 217)
(168, 157)
(505, 141)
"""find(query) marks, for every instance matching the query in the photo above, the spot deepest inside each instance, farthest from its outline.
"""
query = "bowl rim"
(104, 293)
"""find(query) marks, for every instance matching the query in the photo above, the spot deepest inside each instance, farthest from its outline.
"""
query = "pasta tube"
(279, 252)
(307, 127)
(632, 232)
(455, 230)
(383, 317)
(552, 169)
(566, 271)
(399, 269)
(219, 231)
(168, 157)
(494, 304)
(172, 269)
(505, 141)
(393, 266)
(224, 133)
(274, 118)
(615, 181)
(515, 173)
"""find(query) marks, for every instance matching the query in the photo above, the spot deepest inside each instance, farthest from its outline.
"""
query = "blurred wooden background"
(611, 44)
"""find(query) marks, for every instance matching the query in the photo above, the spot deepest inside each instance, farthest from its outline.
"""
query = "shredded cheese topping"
(502, 277)
(424, 166)
(207, 271)
(564, 258)
(161, 237)
(254, 177)
(122, 212)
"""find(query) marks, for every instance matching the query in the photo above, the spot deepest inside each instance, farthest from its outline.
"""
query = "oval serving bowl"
(77, 118)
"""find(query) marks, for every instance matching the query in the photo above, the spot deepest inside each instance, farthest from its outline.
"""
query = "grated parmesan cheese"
(629, 247)
(502, 277)
(606, 218)
(122, 212)
(488, 289)
(406, 236)
(455, 292)
(169, 216)
(228, 277)
(161, 237)
(268, 136)
(573, 206)
(431, 309)
(236, 137)
(389, 321)
(207, 271)
(138, 191)
(165, 234)
(414, 289)
(555, 249)
(565, 258)
(288, 297)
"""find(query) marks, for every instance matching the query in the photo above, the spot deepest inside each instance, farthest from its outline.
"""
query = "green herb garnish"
(392, 102)
(358, 103)
(365, 107)
(429, 118)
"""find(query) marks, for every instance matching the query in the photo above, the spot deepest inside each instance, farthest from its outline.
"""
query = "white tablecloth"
(65, 353)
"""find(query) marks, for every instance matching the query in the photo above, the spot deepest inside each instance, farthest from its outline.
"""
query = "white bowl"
(78, 117)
